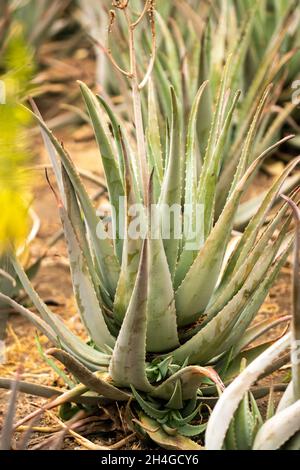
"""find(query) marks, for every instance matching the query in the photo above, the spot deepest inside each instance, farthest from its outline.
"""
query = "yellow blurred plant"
(17, 70)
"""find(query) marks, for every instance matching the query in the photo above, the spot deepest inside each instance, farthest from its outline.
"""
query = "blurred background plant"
(18, 224)
(49, 30)
(193, 41)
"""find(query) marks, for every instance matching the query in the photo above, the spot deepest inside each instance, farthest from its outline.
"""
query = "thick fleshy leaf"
(206, 108)
(264, 76)
(240, 433)
(219, 335)
(249, 208)
(91, 357)
(248, 313)
(72, 212)
(110, 165)
(131, 247)
(115, 124)
(241, 44)
(164, 440)
(279, 429)
(97, 382)
(232, 368)
(154, 134)
(151, 411)
(190, 378)
(55, 162)
(162, 333)
(171, 192)
(266, 69)
(191, 301)
(264, 252)
(246, 156)
(176, 402)
(172, 64)
(287, 398)
(128, 363)
(224, 410)
(32, 317)
(207, 191)
(265, 73)
(192, 430)
(84, 289)
(257, 331)
(108, 264)
(123, 145)
(245, 245)
(190, 200)
(212, 160)
(191, 172)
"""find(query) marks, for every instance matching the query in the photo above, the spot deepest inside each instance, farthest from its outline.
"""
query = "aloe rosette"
(168, 317)
(138, 297)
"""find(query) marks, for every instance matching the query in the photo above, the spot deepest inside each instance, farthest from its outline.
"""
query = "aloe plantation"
(149, 225)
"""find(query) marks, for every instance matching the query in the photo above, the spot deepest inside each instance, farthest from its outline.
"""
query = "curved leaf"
(128, 364)
(164, 440)
(171, 191)
(191, 300)
(97, 382)
(108, 264)
(279, 429)
(110, 165)
(162, 333)
(224, 410)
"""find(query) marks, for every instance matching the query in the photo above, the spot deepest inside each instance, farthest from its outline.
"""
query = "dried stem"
(121, 5)
(133, 75)
(137, 105)
(147, 7)
(153, 50)
(65, 397)
(109, 55)
(85, 442)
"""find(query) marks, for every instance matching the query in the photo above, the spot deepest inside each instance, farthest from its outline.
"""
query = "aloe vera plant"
(167, 316)
(236, 422)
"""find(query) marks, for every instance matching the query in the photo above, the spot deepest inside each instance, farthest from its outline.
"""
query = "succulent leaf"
(171, 190)
(110, 165)
(84, 288)
(128, 363)
(229, 401)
